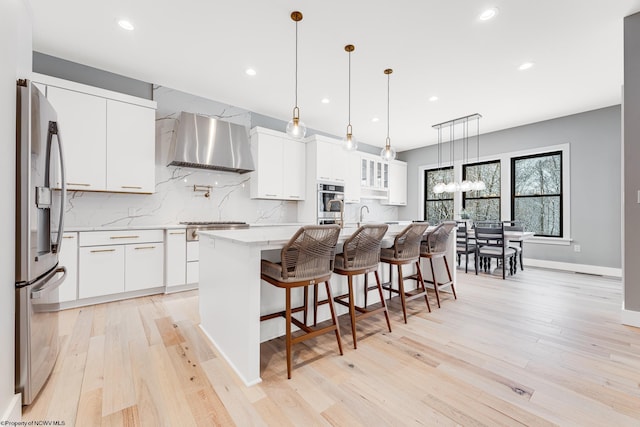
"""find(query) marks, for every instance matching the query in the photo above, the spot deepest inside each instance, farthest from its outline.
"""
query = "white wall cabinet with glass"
(374, 177)
(115, 262)
(397, 194)
(108, 137)
(279, 165)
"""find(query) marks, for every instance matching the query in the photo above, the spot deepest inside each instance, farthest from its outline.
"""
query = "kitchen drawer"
(193, 272)
(122, 237)
(101, 271)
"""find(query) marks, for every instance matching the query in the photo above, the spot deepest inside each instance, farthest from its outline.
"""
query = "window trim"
(513, 183)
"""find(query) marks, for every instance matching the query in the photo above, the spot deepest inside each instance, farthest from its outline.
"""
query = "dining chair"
(515, 244)
(305, 260)
(490, 243)
(465, 245)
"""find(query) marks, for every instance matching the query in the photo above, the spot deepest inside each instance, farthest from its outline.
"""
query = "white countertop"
(278, 235)
(123, 227)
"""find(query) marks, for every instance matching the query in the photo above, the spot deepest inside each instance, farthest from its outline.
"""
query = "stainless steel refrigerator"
(39, 227)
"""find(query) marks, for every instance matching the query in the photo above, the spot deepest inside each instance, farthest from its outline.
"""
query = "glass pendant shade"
(349, 142)
(439, 188)
(465, 186)
(387, 152)
(296, 128)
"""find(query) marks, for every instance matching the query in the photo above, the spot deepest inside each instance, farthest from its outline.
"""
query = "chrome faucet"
(341, 210)
(362, 214)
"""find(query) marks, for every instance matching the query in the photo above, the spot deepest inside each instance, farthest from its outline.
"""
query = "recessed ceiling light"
(525, 66)
(375, 120)
(250, 72)
(126, 25)
(325, 100)
(488, 14)
(433, 98)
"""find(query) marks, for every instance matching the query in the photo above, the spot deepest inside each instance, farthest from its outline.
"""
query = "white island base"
(232, 297)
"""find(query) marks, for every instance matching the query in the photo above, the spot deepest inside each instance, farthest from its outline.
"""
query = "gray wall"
(594, 139)
(15, 51)
(63, 69)
(631, 269)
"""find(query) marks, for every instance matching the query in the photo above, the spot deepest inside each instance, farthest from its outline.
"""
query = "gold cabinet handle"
(124, 237)
(145, 247)
(79, 184)
(102, 250)
(68, 237)
(177, 232)
(134, 187)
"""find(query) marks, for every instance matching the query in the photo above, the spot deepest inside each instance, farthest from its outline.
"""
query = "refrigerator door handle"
(49, 286)
(53, 130)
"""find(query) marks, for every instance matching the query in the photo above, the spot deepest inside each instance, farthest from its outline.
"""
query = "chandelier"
(462, 123)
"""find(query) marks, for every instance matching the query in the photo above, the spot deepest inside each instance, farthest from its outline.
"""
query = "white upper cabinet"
(130, 148)
(397, 184)
(294, 179)
(82, 120)
(331, 160)
(108, 138)
(279, 162)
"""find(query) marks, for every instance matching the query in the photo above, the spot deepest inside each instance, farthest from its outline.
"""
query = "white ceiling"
(435, 48)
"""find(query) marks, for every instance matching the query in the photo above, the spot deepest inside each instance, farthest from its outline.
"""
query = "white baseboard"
(630, 318)
(14, 410)
(578, 268)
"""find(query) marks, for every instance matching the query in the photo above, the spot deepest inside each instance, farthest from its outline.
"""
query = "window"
(536, 193)
(483, 204)
(438, 207)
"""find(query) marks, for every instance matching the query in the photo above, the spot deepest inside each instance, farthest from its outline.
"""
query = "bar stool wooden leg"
(403, 297)
(333, 316)
(306, 302)
(366, 288)
(421, 280)
(315, 305)
(453, 288)
(386, 312)
(352, 309)
(435, 281)
(288, 337)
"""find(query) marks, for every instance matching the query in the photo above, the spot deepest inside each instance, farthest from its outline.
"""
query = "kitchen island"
(232, 296)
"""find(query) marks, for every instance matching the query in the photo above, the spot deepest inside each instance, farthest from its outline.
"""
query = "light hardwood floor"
(541, 348)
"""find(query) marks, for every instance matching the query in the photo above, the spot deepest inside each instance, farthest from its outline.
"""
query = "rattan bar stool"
(434, 246)
(307, 259)
(406, 250)
(361, 255)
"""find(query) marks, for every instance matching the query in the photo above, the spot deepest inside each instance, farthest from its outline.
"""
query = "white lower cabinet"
(193, 264)
(112, 262)
(101, 270)
(143, 266)
(68, 258)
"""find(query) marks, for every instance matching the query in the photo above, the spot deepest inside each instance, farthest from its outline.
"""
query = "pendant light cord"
(388, 101)
(349, 113)
(296, 97)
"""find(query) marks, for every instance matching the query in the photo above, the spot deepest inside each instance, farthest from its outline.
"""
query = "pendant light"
(454, 186)
(295, 127)
(350, 142)
(387, 152)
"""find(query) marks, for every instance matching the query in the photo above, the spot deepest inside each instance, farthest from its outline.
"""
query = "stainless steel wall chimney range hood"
(207, 143)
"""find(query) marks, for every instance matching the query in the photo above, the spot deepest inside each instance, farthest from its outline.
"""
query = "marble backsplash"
(175, 199)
